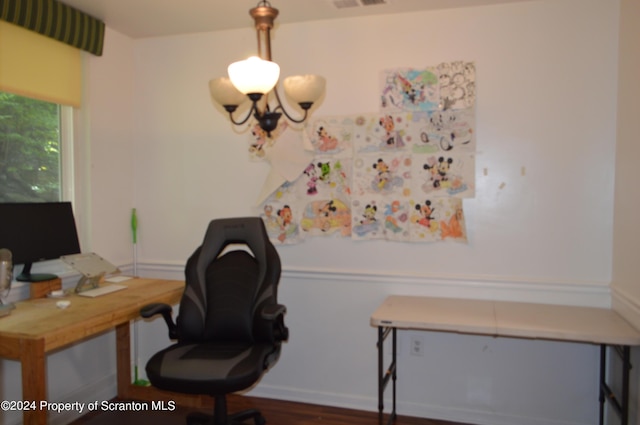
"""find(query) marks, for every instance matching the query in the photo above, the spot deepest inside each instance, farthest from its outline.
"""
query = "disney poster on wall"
(260, 142)
(280, 221)
(330, 136)
(443, 131)
(325, 192)
(444, 175)
(388, 132)
(408, 89)
(400, 174)
(318, 203)
(408, 220)
(457, 85)
(437, 219)
(381, 174)
(449, 85)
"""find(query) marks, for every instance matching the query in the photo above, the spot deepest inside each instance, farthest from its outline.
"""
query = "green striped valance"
(56, 20)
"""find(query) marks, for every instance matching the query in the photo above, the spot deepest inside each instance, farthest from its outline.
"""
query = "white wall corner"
(628, 307)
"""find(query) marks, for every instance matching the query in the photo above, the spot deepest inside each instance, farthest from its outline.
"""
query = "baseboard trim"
(369, 404)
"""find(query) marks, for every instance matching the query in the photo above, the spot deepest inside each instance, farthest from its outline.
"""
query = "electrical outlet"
(417, 346)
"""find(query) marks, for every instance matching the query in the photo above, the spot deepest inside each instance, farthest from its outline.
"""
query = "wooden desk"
(506, 319)
(37, 327)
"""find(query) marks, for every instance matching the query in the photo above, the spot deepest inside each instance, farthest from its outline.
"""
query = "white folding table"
(590, 325)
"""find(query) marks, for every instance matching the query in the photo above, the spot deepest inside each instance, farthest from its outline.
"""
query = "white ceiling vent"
(343, 4)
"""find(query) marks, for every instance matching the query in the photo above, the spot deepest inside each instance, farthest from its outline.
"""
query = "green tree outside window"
(29, 150)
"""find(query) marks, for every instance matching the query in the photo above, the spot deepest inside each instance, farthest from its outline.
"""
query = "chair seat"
(210, 368)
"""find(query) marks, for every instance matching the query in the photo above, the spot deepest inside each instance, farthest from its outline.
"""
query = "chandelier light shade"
(304, 88)
(225, 93)
(257, 77)
(254, 75)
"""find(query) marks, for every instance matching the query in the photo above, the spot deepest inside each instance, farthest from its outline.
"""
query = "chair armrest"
(165, 310)
(275, 313)
(150, 310)
(272, 311)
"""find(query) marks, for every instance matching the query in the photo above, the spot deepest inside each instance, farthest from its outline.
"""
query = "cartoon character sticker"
(437, 219)
(392, 138)
(387, 174)
(280, 222)
(447, 130)
(260, 141)
(330, 135)
(396, 220)
(311, 177)
(366, 220)
(444, 175)
(327, 216)
(325, 142)
(380, 217)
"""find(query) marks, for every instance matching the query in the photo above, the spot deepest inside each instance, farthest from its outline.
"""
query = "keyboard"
(102, 290)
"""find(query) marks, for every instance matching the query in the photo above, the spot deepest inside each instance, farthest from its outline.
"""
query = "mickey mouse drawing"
(425, 213)
(438, 171)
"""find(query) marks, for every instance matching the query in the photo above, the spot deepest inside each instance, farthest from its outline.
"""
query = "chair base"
(220, 416)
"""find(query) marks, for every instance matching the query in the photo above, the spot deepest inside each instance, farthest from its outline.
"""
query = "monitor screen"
(37, 232)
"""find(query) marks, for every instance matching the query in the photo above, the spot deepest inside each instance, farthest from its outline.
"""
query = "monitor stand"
(27, 276)
(88, 282)
(5, 309)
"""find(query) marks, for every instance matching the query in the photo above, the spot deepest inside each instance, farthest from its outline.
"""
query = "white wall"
(109, 134)
(546, 101)
(626, 268)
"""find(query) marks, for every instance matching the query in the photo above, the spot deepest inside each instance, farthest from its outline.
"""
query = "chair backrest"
(224, 293)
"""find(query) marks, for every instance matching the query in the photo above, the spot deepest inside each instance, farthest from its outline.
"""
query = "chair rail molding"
(500, 288)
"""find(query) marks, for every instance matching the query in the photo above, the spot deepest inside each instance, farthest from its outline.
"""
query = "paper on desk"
(288, 158)
(117, 279)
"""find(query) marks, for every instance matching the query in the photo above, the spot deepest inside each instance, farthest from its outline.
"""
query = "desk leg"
(34, 379)
(123, 359)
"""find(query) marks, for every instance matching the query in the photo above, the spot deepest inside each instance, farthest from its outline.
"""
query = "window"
(30, 150)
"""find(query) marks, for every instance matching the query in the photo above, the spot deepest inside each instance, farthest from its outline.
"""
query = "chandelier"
(257, 76)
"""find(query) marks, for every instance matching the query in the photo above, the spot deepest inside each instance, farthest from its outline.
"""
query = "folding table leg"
(621, 405)
(389, 374)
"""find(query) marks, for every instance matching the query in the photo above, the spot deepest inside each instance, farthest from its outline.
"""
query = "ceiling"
(155, 18)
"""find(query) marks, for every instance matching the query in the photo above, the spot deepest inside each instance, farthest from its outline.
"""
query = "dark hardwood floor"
(276, 412)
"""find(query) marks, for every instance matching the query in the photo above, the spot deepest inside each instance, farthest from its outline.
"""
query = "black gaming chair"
(230, 328)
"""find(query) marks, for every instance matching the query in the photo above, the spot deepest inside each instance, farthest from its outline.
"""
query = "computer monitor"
(36, 232)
